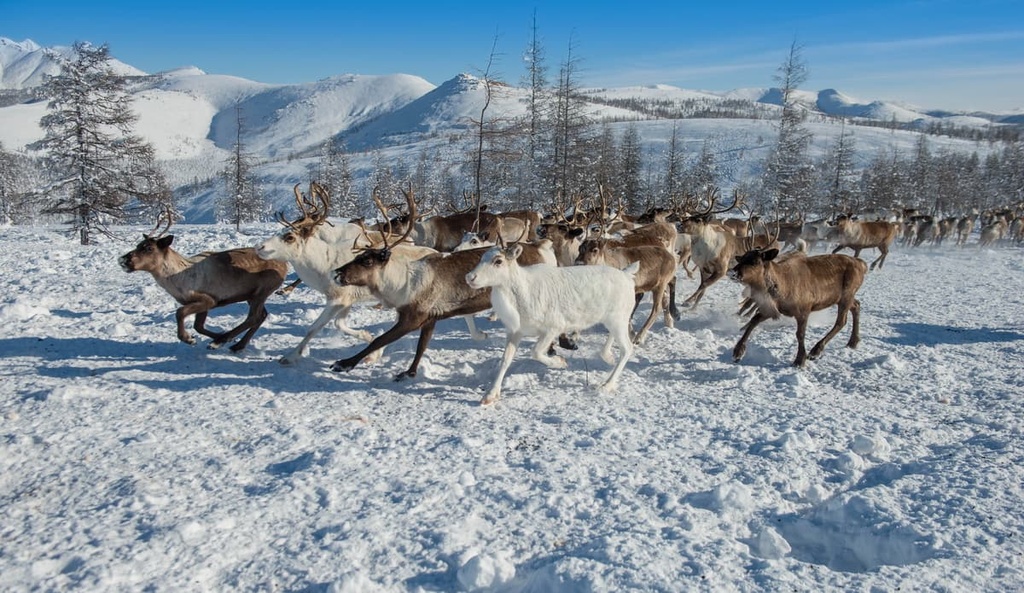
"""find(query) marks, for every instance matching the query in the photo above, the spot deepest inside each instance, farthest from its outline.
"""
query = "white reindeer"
(315, 248)
(544, 301)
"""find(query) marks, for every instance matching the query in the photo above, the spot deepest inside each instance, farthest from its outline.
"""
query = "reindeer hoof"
(342, 366)
(489, 400)
(237, 347)
(567, 343)
(404, 375)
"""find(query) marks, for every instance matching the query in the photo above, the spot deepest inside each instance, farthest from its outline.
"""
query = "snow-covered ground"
(130, 461)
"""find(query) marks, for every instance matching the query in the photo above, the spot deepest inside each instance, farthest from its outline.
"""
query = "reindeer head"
(152, 250)
(494, 266)
(591, 252)
(370, 263)
(749, 268)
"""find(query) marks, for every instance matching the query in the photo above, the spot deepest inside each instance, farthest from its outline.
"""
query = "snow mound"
(852, 533)
(486, 570)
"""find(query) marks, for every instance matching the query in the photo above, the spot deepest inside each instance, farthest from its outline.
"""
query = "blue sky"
(932, 53)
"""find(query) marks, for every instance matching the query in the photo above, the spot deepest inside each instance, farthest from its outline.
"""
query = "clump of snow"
(486, 570)
(21, 309)
(874, 447)
(768, 544)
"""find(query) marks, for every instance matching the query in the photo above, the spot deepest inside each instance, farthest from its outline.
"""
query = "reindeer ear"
(483, 236)
(514, 251)
(165, 242)
(769, 255)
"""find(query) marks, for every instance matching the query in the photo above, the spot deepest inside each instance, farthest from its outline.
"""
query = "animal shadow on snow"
(179, 367)
(926, 334)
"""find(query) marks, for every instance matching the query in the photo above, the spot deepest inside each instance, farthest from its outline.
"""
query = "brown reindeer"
(858, 235)
(207, 281)
(797, 288)
(657, 274)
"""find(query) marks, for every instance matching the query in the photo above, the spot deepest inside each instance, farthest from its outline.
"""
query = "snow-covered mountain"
(23, 65)
(184, 109)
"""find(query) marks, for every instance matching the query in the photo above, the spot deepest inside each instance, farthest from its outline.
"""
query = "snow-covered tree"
(836, 178)
(13, 201)
(631, 186)
(536, 125)
(102, 173)
(243, 199)
(570, 172)
(787, 173)
(672, 186)
(332, 172)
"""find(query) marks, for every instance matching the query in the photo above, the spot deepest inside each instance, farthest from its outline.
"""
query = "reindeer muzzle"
(126, 262)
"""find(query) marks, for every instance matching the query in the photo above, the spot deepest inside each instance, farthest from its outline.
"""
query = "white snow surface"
(130, 461)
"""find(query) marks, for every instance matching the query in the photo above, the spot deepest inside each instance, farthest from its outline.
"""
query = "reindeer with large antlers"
(423, 291)
(207, 281)
(714, 247)
(315, 248)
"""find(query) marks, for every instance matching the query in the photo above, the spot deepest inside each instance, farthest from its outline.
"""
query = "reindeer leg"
(506, 361)
(284, 291)
(694, 298)
(331, 310)
(658, 296)
(426, 331)
(201, 304)
(840, 322)
(257, 314)
(881, 258)
(539, 352)
(242, 343)
(801, 332)
(855, 332)
(741, 347)
(473, 331)
(199, 324)
(672, 308)
(620, 335)
(405, 324)
(714, 276)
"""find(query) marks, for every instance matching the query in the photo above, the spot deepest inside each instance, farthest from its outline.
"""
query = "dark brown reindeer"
(797, 288)
(423, 291)
(207, 281)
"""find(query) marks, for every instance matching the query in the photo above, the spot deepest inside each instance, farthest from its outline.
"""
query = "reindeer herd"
(544, 277)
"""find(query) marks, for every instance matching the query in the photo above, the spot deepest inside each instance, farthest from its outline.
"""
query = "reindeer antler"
(165, 213)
